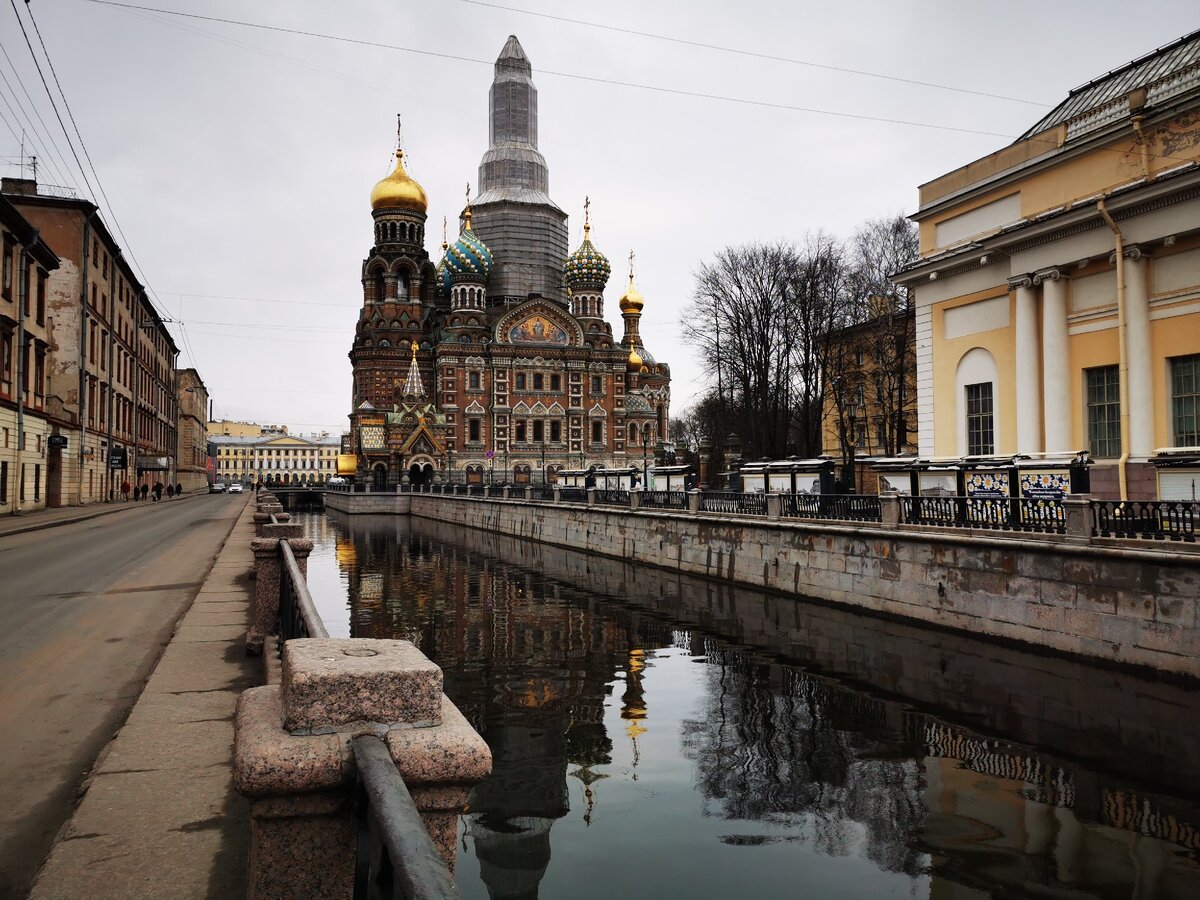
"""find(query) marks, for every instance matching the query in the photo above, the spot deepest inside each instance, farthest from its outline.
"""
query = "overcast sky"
(239, 161)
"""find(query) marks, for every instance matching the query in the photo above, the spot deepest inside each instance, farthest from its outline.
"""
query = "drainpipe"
(22, 299)
(1119, 238)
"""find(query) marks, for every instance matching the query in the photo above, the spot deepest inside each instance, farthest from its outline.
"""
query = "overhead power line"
(755, 54)
(679, 92)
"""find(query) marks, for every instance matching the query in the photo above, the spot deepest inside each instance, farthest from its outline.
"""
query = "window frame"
(1181, 401)
(981, 423)
(1102, 411)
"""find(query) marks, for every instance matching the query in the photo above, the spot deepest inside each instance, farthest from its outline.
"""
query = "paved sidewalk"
(160, 817)
(37, 519)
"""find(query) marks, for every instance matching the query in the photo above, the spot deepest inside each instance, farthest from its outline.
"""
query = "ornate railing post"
(591, 496)
(267, 575)
(557, 493)
(635, 499)
(293, 758)
(693, 501)
(774, 506)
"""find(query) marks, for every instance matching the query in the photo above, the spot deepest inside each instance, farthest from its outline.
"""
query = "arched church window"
(633, 431)
(385, 343)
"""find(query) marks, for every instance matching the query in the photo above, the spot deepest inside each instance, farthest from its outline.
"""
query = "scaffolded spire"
(413, 388)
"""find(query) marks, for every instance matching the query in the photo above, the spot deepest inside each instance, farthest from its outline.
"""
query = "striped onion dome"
(468, 257)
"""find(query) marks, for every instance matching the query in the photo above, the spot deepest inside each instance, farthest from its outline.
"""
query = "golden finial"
(467, 213)
(631, 258)
(587, 220)
(444, 244)
(399, 139)
(415, 347)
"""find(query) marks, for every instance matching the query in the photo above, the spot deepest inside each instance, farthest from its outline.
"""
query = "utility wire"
(128, 247)
(679, 92)
(64, 168)
(31, 136)
(755, 54)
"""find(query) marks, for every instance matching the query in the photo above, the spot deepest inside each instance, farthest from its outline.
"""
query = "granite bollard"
(268, 572)
(294, 761)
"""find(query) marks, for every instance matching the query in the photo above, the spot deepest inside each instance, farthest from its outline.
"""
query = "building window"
(597, 385)
(556, 382)
(473, 430)
(539, 381)
(3, 482)
(473, 381)
(521, 432)
(520, 381)
(555, 431)
(597, 432)
(981, 435)
(539, 431)
(1185, 400)
(1104, 411)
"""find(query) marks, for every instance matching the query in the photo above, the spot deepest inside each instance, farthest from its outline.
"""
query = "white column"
(1028, 352)
(1137, 356)
(1056, 369)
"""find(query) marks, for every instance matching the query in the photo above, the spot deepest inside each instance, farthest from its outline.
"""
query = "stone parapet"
(293, 758)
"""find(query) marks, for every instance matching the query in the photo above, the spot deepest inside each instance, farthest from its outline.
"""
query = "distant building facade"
(110, 361)
(275, 457)
(192, 400)
(244, 429)
(1056, 293)
(497, 362)
(25, 422)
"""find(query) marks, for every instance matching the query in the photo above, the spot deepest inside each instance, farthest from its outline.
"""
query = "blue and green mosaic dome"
(587, 268)
(468, 257)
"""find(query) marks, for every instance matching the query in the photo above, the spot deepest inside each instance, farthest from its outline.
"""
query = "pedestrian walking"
(125, 490)
(158, 489)
(170, 491)
(257, 485)
(144, 490)
(178, 489)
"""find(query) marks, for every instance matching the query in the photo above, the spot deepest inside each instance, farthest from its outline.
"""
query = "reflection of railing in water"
(1130, 812)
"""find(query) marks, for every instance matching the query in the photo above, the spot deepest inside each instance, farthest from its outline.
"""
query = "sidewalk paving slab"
(160, 817)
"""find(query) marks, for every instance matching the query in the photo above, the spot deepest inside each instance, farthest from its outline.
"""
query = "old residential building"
(498, 359)
(111, 360)
(191, 467)
(1058, 285)
(25, 423)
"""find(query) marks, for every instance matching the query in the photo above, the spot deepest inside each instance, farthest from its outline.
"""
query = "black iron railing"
(734, 502)
(612, 497)
(662, 500)
(298, 616)
(996, 513)
(847, 507)
(396, 857)
(476, 490)
(1173, 520)
(541, 492)
(572, 495)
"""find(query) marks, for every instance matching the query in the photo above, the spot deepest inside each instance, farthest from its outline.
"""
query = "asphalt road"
(85, 611)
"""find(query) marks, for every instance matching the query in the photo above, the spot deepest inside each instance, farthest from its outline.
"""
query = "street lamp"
(855, 413)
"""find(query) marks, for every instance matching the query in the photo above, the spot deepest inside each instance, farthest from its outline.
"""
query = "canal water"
(665, 736)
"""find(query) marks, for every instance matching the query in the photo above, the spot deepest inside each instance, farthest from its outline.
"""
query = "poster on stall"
(897, 482)
(937, 484)
(987, 484)
(1045, 485)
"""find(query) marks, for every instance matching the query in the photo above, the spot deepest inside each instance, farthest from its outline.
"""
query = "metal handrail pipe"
(416, 865)
(300, 594)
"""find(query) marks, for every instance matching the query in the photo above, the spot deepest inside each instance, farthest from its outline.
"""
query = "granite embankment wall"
(1114, 603)
(1121, 722)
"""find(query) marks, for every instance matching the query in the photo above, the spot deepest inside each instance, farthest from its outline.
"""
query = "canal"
(665, 736)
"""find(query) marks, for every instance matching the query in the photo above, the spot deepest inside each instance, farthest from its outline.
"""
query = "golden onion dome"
(635, 360)
(631, 300)
(399, 190)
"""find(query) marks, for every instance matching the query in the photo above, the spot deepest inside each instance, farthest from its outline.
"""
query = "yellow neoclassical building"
(1058, 289)
(275, 457)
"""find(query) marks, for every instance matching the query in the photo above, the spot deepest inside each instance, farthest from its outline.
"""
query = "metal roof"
(1154, 66)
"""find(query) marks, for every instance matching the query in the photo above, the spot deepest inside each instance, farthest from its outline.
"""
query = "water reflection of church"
(530, 669)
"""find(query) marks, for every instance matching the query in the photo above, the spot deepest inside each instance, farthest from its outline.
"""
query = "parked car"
(216, 488)
(236, 488)
(337, 479)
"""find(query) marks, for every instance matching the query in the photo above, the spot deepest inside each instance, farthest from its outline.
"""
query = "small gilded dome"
(635, 361)
(399, 191)
(587, 268)
(468, 257)
(631, 300)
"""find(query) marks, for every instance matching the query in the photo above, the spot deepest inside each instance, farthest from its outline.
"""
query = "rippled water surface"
(663, 736)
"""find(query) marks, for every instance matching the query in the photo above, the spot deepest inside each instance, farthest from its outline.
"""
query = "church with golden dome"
(496, 364)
